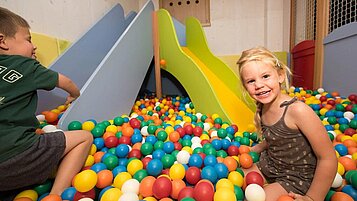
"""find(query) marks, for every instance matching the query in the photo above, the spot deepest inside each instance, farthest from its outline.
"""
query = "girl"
(297, 157)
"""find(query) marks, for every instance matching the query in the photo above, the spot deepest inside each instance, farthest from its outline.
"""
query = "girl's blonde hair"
(262, 54)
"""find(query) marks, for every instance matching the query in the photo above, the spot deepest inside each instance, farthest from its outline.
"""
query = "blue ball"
(68, 193)
(329, 127)
(186, 137)
(106, 155)
(343, 121)
(341, 149)
(168, 147)
(350, 191)
(151, 138)
(339, 114)
(195, 160)
(209, 173)
(154, 167)
(225, 144)
(123, 161)
(230, 130)
(118, 169)
(136, 138)
(97, 167)
(217, 144)
(122, 150)
(99, 143)
(210, 160)
(221, 170)
(158, 154)
(330, 113)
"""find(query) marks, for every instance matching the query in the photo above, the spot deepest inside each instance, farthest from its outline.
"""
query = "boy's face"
(20, 44)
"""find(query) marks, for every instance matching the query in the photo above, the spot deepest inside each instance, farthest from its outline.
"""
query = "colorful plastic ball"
(177, 186)
(285, 198)
(254, 177)
(129, 196)
(23, 199)
(239, 193)
(254, 192)
(131, 186)
(348, 189)
(177, 171)
(99, 143)
(209, 173)
(135, 153)
(158, 154)
(111, 161)
(147, 148)
(145, 188)
(105, 178)
(245, 160)
(136, 138)
(85, 180)
(337, 182)
(186, 192)
(221, 170)
(236, 178)
(162, 187)
(68, 193)
(230, 163)
(168, 147)
(195, 160)
(32, 194)
(43, 188)
(255, 156)
(51, 197)
(134, 166)
(203, 191)
(111, 194)
(120, 179)
(88, 125)
(210, 160)
(183, 157)
(341, 149)
(80, 195)
(224, 183)
(338, 196)
(122, 150)
(224, 194)
(154, 167)
(193, 175)
(111, 141)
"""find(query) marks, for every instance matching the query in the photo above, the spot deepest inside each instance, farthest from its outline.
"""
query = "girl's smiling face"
(262, 81)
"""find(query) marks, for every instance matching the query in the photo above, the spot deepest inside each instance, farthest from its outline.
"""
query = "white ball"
(49, 128)
(318, 96)
(206, 126)
(214, 134)
(41, 117)
(183, 157)
(196, 145)
(320, 90)
(144, 131)
(86, 199)
(129, 197)
(254, 192)
(333, 133)
(187, 106)
(348, 115)
(131, 186)
(133, 115)
(337, 182)
(198, 115)
(195, 140)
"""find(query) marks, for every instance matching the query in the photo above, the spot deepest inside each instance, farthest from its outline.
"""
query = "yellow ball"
(134, 166)
(323, 111)
(112, 128)
(204, 137)
(93, 149)
(150, 199)
(61, 108)
(120, 179)
(354, 137)
(32, 194)
(89, 161)
(354, 156)
(85, 181)
(236, 178)
(214, 116)
(340, 169)
(224, 194)
(112, 194)
(88, 125)
(238, 133)
(224, 183)
(188, 149)
(177, 171)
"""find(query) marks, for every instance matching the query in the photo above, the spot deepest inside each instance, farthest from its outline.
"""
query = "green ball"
(101, 125)
(194, 118)
(174, 153)
(343, 127)
(353, 180)
(245, 141)
(112, 150)
(222, 133)
(106, 123)
(158, 145)
(111, 162)
(240, 171)
(332, 120)
(246, 134)
(97, 131)
(119, 134)
(186, 143)
(255, 156)
(329, 195)
(146, 148)
(340, 107)
(239, 193)
(254, 136)
(218, 120)
(210, 151)
(222, 153)
(118, 121)
(203, 118)
(354, 109)
(353, 124)
(238, 139)
(198, 150)
(188, 199)
(349, 174)
(75, 125)
(331, 136)
(152, 129)
(140, 175)
(43, 188)
(143, 123)
(167, 160)
(162, 135)
(200, 124)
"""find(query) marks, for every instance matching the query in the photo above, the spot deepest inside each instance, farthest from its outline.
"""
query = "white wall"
(235, 24)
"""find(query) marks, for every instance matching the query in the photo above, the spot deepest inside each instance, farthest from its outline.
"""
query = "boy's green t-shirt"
(20, 78)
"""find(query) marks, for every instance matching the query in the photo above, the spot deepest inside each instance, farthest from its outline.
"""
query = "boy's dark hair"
(10, 22)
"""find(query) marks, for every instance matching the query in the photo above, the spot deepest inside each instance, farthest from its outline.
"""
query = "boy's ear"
(3, 45)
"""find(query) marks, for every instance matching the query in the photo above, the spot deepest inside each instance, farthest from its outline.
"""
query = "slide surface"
(212, 86)
(112, 88)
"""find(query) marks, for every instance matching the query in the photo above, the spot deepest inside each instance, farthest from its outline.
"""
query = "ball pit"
(165, 150)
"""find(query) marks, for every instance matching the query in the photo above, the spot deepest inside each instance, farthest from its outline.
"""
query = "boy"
(25, 157)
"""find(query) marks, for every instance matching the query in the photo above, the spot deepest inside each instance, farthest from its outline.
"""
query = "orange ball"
(98, 156)
(166, 199)
(245, 160)
(348, 163)
(163, 62)
(244, 149)
(231, 163)
(51, 116)
(174, 136)
(52, 197)
(285, 198)
(128, 131)
(105, 178)
(339, 196)
(349, 143)
(145, 188)
(177, 186)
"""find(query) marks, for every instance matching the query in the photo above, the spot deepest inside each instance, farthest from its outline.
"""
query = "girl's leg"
(78, 144)
(273, 191)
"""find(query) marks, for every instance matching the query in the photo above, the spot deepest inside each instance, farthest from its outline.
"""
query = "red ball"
(203, 191)
(235, 127)
(254, 178)
(349, 107)
(233, 150)
(145, 161)
(134, 123)
(323, 98)
(89, 194)
(197, 131)
(349, 131)
(203, 155)
(111, 141)
(193, 175)
(331, 102)
(352, 97)
(135, 153)
(181, 131)
(185, 192)
(188, 129)
(162, 187)
(125, 140)
(178, 146)
(203, 142)
(218, 126)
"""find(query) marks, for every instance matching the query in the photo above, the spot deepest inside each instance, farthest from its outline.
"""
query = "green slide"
(212, 86)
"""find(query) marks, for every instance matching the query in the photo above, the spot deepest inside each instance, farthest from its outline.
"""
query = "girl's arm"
(310, 124)
(69, 86)
(259, 147)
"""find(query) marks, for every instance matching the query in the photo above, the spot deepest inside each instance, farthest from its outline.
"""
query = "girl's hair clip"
(277, 63)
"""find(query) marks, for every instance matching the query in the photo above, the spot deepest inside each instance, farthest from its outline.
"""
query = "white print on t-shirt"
(12, 76)
(1, 99)
(2, 69)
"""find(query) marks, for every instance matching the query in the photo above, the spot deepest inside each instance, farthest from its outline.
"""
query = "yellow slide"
(211, 85)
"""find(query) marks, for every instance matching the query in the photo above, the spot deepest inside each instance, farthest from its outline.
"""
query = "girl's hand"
(69, 100)
(299, 197)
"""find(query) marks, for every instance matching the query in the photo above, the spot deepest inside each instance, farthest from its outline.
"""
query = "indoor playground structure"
(173, 147)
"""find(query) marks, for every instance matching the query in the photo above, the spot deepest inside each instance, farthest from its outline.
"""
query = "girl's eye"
(250, 81)
(266, 76)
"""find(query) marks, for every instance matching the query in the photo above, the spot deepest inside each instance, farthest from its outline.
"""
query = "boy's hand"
(69, 100)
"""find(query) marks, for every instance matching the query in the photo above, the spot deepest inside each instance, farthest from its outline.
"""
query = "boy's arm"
(69, 86)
